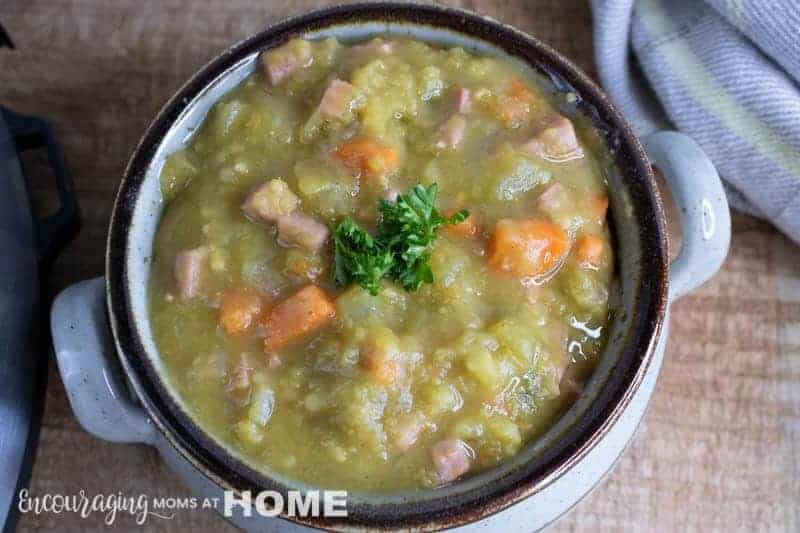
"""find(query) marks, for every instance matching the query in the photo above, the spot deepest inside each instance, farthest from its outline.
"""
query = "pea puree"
(382, 385)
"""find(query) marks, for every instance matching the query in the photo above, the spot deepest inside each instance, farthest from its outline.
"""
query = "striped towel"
(727, 73)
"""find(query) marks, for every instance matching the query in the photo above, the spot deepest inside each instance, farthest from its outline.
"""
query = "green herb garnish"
(358, 258)
(408, 227)
(401, 250)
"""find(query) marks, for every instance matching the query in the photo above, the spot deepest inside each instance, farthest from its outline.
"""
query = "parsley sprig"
(401, 249)
(358, 258)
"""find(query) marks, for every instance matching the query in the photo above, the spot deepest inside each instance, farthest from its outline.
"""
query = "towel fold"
(727, 73)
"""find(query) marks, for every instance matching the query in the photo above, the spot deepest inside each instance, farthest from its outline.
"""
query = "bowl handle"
(704, 215)
(89, 369)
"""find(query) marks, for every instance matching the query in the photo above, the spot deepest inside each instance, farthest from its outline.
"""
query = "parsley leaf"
(358, 258)
(408, 227)
(401, 250)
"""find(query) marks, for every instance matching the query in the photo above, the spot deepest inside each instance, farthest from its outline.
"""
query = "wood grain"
(718, 449)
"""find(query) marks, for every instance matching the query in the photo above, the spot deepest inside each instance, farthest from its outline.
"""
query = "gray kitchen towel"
(727, 73)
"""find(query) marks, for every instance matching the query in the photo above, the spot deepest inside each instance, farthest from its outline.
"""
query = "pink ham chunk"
(239, 379)
(451, 132)
(390, 194)
(336, 100)
(452, 458)
(302, 231)
(376, 46)
(270, 201)
(556, 142)
(570, 386)
(285, 60)
(463, 100)
(190, 267)
(553, 199)
(406, 431)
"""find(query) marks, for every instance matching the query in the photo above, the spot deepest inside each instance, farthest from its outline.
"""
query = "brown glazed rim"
(435, 512)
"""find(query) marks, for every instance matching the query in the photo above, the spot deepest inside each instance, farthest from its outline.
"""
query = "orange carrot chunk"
(299, 315)
(382, 369)
(368, 157)
(528, 247)
(599, 206)
(589, 251)
(379, 356)
(239, 309)
(516, 104)
(520, 91)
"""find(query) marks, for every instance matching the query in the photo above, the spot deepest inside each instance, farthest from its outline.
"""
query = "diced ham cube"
(571, 386)
(377, 46)
(336, 99)
(274, 361)
(270, 201)
(553, 199)
(390, 194)
(299, 315)
(302, 231)
(406, 431)
(556, 142)
(451, 132)
(452, 458)
(190, 267)
(239, 378)
(242, 370)
(463, 100)
(285, 60)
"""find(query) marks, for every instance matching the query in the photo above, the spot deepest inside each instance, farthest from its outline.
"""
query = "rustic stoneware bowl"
(105, 349)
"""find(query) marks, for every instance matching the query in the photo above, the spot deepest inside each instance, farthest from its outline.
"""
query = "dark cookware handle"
(54, 231)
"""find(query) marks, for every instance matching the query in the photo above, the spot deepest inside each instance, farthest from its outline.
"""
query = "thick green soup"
(383, 266)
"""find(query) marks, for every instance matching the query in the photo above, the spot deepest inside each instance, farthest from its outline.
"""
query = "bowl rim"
(227, 472)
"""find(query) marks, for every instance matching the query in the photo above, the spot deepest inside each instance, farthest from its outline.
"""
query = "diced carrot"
(520, 91)
(368, 156)
(378, 356)
(239, 309)
(299, 315)
(528, 247)
(467, 228)
(515, 107)
(305, 268)
(589, 251)
(514, 112)
(599, 206)
(383, 371)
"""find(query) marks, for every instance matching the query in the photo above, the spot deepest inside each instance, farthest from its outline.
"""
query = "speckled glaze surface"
(637, 222)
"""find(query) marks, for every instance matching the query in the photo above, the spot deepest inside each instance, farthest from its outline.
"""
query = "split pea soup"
(384, 265)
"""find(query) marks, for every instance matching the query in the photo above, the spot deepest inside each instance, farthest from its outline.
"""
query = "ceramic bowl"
(637, 221)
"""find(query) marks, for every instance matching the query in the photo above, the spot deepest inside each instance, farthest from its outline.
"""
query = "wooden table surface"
(718, 449)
